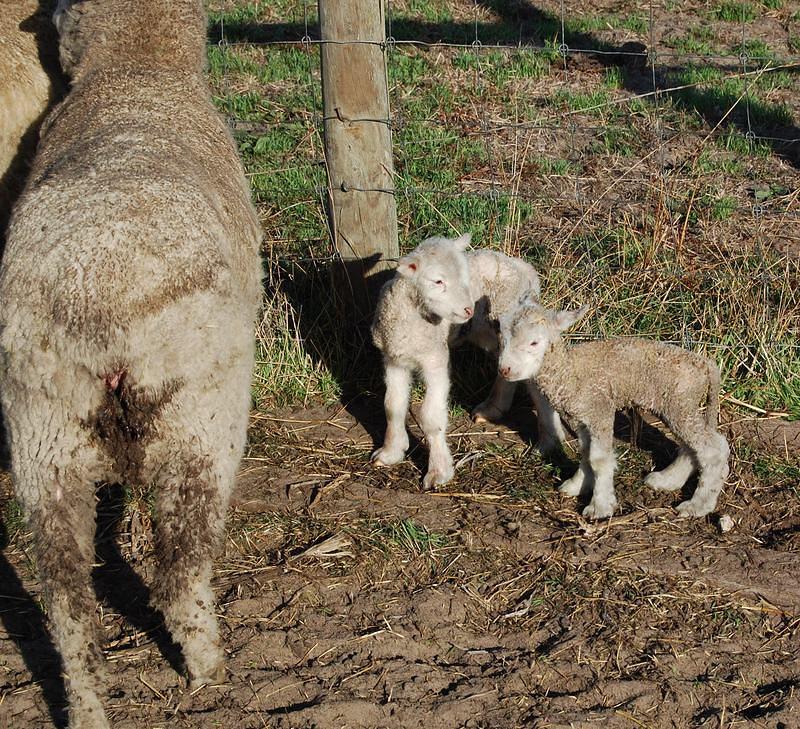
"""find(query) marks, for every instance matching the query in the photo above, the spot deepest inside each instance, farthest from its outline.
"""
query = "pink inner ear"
(412, 266)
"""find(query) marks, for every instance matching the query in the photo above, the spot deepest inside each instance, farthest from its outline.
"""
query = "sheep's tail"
(712, 396)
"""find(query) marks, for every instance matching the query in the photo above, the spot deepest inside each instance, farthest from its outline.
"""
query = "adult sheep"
(30, 81)
(128, 292)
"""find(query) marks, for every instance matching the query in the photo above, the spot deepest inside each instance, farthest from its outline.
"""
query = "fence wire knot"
(759, 210)
(652, 56)
(305, 41)
(744, 58)
(391, 44)
(750, 136)
(563, 50)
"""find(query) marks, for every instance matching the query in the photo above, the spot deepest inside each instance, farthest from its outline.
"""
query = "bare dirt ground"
(349, 598)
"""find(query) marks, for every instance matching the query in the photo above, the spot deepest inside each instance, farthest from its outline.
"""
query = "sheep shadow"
(24, 623)
(118, 585)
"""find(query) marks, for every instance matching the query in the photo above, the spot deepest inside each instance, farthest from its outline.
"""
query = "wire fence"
(558, 168)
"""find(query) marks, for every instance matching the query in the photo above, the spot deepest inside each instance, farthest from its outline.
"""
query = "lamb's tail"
(712, 396)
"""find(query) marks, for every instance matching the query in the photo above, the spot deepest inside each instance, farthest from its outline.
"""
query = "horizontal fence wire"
(571, 189)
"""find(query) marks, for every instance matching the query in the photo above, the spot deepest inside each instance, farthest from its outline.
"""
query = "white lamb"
(498, 283)
(425, 308)
(430, 292)
(588, 382)
(128, 293)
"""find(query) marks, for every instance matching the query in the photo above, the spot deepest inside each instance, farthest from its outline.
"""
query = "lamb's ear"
(530, 300)
(565, 319)
(463, 241)
(408, 266)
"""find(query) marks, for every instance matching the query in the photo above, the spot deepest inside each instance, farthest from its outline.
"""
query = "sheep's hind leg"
(194, 464)
(713, 464)
(433, 417)
(58, 495)
(673, 476)
(497, 404)
(602, 462)
(398, 392)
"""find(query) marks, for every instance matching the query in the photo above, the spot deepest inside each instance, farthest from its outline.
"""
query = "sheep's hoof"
(691, 508)
(658, 481)
(214, 677)
(384, 457)
(598, 511)
(436, 477)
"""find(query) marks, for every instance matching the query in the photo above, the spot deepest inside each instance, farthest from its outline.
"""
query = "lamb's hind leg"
(398, 391)
(497, 404)
(712, 459)
(194, 464)
(55, 469)
(675, 475)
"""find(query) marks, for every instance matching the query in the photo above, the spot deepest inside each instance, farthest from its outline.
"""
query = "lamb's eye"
(439, 282)
(534, 343)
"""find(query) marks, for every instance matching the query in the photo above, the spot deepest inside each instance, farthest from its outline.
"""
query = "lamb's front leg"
(551, 431)
(398, 391)
(433, 417)
(581, 481)
(603, 462)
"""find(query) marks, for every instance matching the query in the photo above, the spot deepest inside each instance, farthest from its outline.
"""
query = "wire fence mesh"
(635, 157)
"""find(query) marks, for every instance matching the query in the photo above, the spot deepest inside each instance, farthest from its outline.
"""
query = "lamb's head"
(527, 333)
(439, 272)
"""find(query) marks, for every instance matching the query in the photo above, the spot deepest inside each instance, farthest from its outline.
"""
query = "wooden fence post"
(358, 141)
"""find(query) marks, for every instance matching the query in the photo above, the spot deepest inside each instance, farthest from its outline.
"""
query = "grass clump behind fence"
(666, 200)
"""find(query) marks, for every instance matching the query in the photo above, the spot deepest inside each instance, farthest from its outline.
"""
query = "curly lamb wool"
(587, 383)
(499, 282)
(128, 293)
(429, 293)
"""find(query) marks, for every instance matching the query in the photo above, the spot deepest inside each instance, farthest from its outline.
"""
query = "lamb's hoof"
(598, 511)
(385, 457)
(436, 477)
(572, 486)
(215, 676)
(487, 413)
(658, 481)
(690, 508)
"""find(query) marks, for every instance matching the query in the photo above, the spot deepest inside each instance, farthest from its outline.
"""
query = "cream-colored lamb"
(587, 383)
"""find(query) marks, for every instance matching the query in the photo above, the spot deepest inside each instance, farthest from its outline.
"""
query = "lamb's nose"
(468, 310)
(505, 371)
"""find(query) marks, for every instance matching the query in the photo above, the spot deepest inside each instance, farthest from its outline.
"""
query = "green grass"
(443, 162)
(734, 11)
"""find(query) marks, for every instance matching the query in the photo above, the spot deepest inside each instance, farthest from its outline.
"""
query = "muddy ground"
(350, 598)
